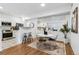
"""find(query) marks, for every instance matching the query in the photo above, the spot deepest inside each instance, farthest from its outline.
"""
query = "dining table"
(48, 35)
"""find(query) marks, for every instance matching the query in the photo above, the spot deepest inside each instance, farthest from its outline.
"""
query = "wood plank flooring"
(69, 50)
(23, 49)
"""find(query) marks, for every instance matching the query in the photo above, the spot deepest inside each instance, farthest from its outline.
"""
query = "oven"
(6, 34)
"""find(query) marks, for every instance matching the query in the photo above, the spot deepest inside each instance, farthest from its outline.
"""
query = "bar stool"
(29, 38)
(24, 38)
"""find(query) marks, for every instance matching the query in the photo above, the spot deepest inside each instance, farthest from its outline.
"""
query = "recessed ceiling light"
(42, 4)
(1, 7)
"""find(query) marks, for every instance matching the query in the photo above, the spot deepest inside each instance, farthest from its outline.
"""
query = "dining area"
(49, 44)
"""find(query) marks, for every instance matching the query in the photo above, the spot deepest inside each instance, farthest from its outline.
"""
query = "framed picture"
(75, 20)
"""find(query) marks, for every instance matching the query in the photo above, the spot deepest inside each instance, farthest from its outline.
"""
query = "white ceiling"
(34, 9)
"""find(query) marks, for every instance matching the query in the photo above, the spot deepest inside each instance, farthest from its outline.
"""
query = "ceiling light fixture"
(1, 7)
(42, 4)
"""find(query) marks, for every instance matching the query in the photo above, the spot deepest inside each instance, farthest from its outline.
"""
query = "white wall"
(75, 36)
(75, 42)
(56, 21)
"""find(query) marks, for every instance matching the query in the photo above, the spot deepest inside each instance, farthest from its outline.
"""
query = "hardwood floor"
(23, 49)
(69, 50)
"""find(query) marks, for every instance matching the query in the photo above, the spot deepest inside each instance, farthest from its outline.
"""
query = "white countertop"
(48, 35)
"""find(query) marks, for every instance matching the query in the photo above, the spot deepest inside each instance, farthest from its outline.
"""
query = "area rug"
(55, 48)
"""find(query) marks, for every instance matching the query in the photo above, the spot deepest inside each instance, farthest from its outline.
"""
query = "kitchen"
(12, 30)
(9, 25)
(8, 30)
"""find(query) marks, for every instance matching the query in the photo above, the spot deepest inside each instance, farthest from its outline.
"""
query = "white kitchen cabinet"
(14, 33)
(26, 24)
(0, 23)
(9, 43)
(29, 24)
(13, 23)
(0, 40)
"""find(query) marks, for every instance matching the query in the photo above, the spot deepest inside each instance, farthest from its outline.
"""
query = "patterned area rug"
(50, 47)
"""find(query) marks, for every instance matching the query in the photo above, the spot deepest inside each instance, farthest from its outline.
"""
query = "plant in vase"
(65, 30)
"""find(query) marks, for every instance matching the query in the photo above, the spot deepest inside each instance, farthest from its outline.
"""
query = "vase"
(66, 36)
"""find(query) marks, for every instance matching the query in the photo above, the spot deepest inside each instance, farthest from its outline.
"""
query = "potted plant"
(65, 30)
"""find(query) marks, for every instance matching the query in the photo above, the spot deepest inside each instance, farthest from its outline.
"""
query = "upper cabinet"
(29, 24)
(41, 24)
